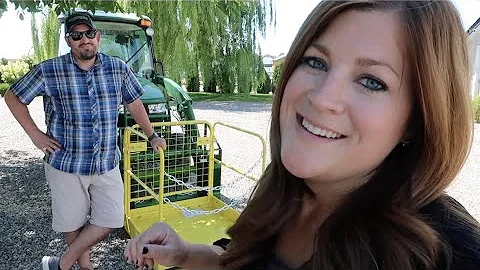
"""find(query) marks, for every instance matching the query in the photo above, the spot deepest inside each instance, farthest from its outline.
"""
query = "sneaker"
(50, 263)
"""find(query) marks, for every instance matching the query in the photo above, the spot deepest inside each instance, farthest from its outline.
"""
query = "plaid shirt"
(81, 109)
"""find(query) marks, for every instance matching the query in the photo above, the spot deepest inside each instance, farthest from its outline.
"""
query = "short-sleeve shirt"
(81, 109)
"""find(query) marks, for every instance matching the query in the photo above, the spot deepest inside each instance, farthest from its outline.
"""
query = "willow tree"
(215, 40)
(45, 40)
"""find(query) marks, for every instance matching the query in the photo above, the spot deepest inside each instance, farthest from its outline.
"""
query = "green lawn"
(203, 96)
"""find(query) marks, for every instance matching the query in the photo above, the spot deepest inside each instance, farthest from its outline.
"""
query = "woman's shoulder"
(459, 230)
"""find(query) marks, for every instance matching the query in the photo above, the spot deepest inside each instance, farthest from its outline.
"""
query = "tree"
(60, 5)
(266, 85)
(276, 74)
(215, 39)
(45, 41)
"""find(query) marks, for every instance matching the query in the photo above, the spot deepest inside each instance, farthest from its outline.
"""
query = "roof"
(99, 15)
(474, 27)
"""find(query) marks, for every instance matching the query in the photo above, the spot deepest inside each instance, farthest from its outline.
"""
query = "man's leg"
(84, 259)
(81, 245)
(70, 207)
(106, 202)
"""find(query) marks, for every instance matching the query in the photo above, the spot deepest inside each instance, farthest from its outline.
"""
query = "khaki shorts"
(78, 199)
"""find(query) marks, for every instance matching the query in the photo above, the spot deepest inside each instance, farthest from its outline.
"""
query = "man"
(82, 92)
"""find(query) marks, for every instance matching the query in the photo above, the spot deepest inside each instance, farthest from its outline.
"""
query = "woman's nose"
(329, 95)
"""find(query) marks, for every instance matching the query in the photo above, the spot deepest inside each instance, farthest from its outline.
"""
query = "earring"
(405, 142)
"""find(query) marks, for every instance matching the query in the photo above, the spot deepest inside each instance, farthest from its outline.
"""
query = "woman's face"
(347, 104)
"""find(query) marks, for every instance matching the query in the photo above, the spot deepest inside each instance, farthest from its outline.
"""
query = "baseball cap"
(78, 18)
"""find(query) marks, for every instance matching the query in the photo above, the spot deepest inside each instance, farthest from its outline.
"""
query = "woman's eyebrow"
(321, 48)
(367, 62)
(364, 62)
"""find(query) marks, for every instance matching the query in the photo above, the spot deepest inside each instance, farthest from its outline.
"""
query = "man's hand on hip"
(44, 142)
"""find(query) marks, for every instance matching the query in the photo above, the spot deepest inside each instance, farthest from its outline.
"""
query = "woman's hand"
(160, 243)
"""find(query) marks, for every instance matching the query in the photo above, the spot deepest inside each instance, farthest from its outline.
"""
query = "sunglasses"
(77, 35)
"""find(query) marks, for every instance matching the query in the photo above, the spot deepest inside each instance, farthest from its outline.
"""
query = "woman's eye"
(315, 63)
(373, 84)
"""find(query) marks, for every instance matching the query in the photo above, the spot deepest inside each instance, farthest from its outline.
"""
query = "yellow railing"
(160, 186)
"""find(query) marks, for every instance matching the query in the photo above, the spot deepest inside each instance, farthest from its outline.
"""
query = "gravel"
(25, 216)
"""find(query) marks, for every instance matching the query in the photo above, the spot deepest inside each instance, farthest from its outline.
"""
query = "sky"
(16, 36)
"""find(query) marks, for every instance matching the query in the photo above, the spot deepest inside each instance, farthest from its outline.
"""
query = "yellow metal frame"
(264, 148)
(195, 229)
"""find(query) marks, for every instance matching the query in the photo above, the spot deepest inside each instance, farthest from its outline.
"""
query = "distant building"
(11, 60)
(268, 63)
(474, 46)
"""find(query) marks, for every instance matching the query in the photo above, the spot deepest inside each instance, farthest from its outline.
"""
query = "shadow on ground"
(25, 219)
(233, 106)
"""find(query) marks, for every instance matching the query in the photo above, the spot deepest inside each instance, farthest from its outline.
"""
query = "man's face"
(85, 48)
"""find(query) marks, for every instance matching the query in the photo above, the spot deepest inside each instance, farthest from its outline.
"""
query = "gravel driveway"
(25, 203)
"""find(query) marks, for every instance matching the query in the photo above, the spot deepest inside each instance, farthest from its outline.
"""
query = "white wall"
(474, 47)
(476, 69)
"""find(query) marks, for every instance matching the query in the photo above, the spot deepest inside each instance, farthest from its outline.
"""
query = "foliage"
(4, 61)
(3, 88)
(61, 5)
(276, 74)
(193, 84)
(266, 85)
(45, 42)
(29, 60)
(210, 86)
(476, 109)
(204, 96)
(216, 39)
(13, 71)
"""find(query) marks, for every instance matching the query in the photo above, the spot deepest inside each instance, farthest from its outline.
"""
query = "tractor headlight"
(157, 108)
(149, 31)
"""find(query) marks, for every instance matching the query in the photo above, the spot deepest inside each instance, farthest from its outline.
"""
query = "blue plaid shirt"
(81, 109)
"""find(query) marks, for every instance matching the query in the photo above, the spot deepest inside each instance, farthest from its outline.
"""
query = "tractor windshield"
(124, 40)
(128, 42)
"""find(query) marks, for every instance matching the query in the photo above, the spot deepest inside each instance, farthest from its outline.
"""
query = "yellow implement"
(181, 185)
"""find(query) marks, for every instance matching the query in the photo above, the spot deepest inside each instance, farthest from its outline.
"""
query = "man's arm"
(21, 113)
(138, 112)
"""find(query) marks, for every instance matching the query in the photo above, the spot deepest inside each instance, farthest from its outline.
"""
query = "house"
(474, 47)
(267, 64)
(278, 60)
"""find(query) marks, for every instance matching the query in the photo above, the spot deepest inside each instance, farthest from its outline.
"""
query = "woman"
(370, 123)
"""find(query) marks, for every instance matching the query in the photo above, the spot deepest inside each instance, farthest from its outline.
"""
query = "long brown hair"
(378, 226)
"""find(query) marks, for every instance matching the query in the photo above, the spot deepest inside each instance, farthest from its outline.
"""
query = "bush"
(266, 86)
(193, 84)
(210, 86)
(476, 109)
(276, 74)
(13, 71)
(3, 88)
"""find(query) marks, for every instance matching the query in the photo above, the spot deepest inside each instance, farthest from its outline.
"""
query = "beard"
(87, 55)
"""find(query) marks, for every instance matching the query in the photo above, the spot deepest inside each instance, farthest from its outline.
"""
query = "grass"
(476, 109)
(203, 96)
(3, 88)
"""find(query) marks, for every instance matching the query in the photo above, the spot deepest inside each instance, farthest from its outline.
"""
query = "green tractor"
(131, 38)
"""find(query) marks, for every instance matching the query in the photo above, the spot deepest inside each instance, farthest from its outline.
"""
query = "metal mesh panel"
(186, 160)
